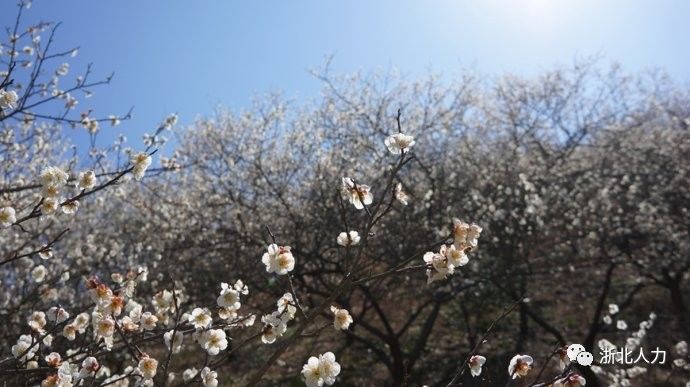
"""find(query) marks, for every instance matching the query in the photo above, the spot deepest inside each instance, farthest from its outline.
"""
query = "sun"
(538, 10)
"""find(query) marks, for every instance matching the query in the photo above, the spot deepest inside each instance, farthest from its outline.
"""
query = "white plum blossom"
(278, 259)
(39, 273)
(114, 121)
(46, 253)
(147, 367)
(176, 343)
(213, 341)
(400, 195)
(86, 180)
(170, 121)
(37, 321)
(209, 378)
(286, 306)
(604, 344)
(622, 325)
(57, 315)
(134, 308)
(52, 179)
(520, 366)
(63, 377)
(89, 367)
(62, 70)
(312, 373)
(465, 235)
(330, 368)
(399, 143)
(140, 162)
(200, 318)
(47, 340)
(246, 321)
(69, 331)
(53, 359)
(50, 191)
(24, 348)
(49, 294)
(7, 217)
(70, 207)
(438, 267)
(81, 322)
(632, 342)
(454, 256)
(241, 287)
(636, 371)
(229, 297)
(105, 327)
(475, 364)
(613, 309)
(148, 321)
(341, 318)
(112, 305)
(274, 327)
(350, 238)
(8, 99)
(100, 293)
(163, 301)
(92, 126)
(70, 102)
(49, 206)
(227, 313)
(359, 195)
(189, 374)
(321, 371)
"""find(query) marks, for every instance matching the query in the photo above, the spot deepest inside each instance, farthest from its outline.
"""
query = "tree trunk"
(399, 371)
(680, 307)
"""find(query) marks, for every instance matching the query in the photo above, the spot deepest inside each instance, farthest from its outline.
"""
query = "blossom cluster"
(140, 162)
(275, 324)
(53, 179)
(321, 370)
(443, 263)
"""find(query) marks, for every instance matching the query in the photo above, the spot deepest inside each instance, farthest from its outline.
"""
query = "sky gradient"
(190, 56)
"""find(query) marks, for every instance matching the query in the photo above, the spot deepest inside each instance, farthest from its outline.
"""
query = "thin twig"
(461, 369)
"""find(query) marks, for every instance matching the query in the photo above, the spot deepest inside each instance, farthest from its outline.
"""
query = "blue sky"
(189, 56)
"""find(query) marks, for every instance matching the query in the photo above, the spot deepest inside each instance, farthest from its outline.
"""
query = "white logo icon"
(573, 350)
(576, 353)
(585, 358)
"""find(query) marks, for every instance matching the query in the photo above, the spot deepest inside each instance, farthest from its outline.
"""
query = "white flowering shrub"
(390, 233)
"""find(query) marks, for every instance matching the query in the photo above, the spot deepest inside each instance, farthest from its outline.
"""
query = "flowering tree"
(45, 180)
(391, 232)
